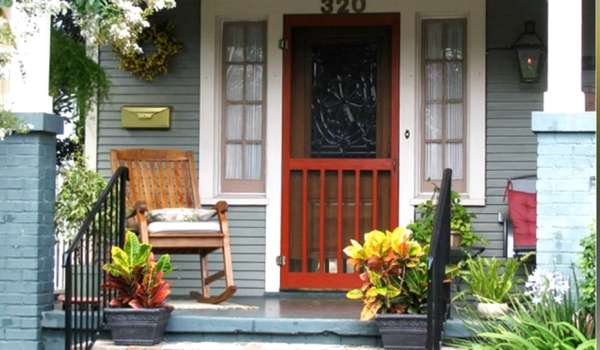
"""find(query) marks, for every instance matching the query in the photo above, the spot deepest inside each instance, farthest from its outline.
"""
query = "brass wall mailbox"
(146, 117)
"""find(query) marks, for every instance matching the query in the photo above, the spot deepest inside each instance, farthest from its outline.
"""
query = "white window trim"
(210, 152)
(475, 112)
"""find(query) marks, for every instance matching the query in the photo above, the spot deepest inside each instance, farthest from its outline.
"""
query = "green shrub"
(79, 192)
(587, 266)
(461, 221)
(490, 279)
(529, 326)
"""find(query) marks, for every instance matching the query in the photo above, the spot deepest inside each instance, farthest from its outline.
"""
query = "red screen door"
(340, 155)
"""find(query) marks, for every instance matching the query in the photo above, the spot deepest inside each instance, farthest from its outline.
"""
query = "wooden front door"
(340, 153)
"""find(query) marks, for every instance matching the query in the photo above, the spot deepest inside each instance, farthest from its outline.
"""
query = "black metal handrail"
(438, 297)
(85, 300)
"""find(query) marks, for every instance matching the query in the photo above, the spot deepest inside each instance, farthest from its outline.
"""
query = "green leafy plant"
(490, 279)
(136, 276)
(9, 124)
(76, 82)
(549, 325)
(461, 221)
(7, 40)
(385, 262)
(587, 266)
(80, 189)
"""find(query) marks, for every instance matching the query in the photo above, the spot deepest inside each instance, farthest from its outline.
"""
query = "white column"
(30, 69)
(90, 149)
(564, 57)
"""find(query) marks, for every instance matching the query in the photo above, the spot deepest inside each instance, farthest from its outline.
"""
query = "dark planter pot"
(402, 332)
(137, 326)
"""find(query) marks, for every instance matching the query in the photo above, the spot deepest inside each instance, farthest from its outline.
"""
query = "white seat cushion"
(184, 227)
(180, 214)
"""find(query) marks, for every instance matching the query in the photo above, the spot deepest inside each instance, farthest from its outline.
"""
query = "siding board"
(511, 145)
(180, 89)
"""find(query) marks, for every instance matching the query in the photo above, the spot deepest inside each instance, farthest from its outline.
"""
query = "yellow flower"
(400, 239)
(355, 250)
(376, 243)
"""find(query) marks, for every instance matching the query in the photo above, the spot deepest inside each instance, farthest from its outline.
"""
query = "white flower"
(119, 23)
(159, 5)
(546, 285)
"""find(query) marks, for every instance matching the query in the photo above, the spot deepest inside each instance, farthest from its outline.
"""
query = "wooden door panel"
(340, 143)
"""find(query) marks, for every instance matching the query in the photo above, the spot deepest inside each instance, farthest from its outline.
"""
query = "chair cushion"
(184, 227)
(180, 215)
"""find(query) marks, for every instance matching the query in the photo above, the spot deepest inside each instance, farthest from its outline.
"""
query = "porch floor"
(286, 306)
(284, 318)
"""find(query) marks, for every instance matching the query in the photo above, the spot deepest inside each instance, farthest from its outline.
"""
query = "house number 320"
(343, 6)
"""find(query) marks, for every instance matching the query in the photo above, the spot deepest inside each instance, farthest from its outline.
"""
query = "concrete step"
(107, 345)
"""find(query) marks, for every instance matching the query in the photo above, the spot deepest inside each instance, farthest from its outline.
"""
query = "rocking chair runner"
(167, 179)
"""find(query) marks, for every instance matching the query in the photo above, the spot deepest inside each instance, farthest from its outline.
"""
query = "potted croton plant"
(138, 314)
(394, 286)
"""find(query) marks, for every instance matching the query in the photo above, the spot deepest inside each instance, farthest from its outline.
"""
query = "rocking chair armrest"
(140, 207)
(140, 213)
(221, 207)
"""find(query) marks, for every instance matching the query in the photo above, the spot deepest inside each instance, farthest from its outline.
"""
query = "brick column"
(566, 188)
(27, 191)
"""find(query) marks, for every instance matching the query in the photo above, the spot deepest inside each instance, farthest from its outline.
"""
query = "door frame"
(392, 20)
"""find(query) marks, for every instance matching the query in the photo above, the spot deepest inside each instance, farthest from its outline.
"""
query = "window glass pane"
(454, 155)
(254, 123)
(255, 42)
(254, 78)
(455, 37)
(443, 97)
(433, 81)
(253, 157)
(233, 161)
(454, 80)
(433, 36)
(433, 121)
(243, 106)
(234, 43)
(234, 122)
(433, 161)
(454, 123)
(234, 82)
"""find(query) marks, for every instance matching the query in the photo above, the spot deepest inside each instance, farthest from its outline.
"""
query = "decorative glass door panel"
(340, 143)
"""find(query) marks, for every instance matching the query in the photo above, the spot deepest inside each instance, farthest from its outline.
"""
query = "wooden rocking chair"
(161, 179)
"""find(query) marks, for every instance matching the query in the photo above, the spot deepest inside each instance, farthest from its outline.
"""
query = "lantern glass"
(529, 63)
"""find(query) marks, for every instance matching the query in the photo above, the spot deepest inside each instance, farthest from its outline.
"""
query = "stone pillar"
(27, 170)
(564, 57)
(566, 186)
(27, 192)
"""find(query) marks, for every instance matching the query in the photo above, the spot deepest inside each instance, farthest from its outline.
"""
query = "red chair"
(522, 212)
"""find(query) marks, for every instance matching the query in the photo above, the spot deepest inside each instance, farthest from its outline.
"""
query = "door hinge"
(280, 260)
(283, 44)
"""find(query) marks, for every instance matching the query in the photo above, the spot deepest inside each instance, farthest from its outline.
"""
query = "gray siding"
(511, 145)
(180, 89)
(247, 226)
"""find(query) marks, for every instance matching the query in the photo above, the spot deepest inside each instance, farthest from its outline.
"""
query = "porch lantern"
(530, 53)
